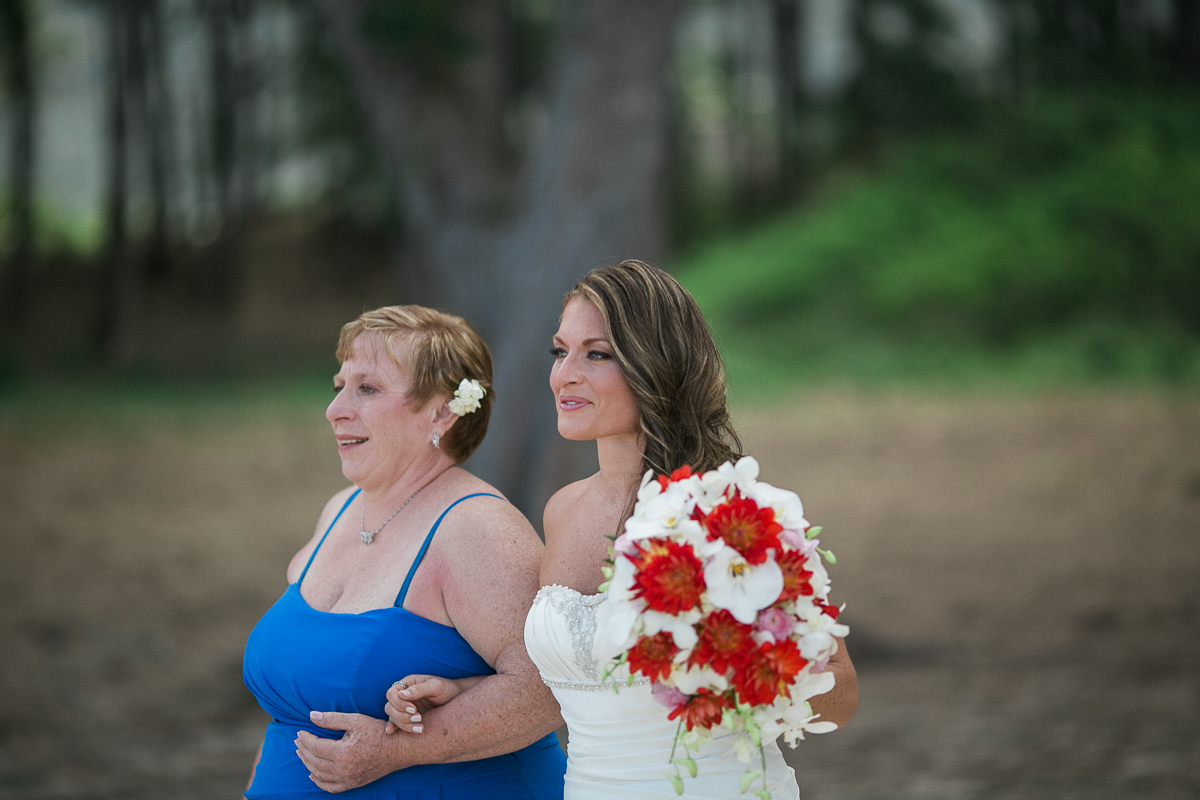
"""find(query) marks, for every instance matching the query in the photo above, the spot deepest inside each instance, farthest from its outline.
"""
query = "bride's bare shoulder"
(563, 506)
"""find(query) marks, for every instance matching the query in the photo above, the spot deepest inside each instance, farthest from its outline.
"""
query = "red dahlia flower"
(680, 474)
(830, 610)
(768, 672)
(704, 709)
(669, 577)
(652, 655)
(745, 527)
(795, 576)
(724, 642)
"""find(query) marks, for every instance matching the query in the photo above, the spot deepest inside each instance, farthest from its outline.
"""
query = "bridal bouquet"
(720, 582)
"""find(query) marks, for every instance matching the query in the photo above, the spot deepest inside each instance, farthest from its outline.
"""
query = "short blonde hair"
(439, 350)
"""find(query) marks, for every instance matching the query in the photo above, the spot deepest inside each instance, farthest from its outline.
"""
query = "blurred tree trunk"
(788, 17)
(122, 301)
(595, 194)
(14, 27)
(156, 109)
(1187, 40)
(224, 35)
(591, 193)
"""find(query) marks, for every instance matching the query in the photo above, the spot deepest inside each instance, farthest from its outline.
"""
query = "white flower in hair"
(466, 397)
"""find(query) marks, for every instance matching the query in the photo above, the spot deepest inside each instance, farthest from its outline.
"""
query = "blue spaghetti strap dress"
(299, 659)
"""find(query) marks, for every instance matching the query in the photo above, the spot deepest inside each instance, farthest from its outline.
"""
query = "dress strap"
(421, 553)
(327, 530)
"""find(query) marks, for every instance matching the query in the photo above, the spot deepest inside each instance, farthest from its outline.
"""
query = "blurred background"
(950, 250)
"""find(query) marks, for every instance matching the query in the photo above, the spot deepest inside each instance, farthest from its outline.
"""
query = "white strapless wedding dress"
(619, 743)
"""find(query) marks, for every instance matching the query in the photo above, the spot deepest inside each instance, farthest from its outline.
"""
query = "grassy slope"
(1059, 242)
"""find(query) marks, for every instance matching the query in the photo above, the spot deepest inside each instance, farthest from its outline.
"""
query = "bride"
(635, 368)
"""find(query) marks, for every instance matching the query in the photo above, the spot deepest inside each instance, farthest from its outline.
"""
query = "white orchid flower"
(689, 681)
(769, 720)
(741, 587)
(620, 588)
(664, 514)
(800, 720)
(680, 627)
(744, 474)
(716, 482)
(615, 625)
(814, 620)
(813, 684)
(820, 576)
(789, 510)
(648, 487)
(816, 631)
(817, 646)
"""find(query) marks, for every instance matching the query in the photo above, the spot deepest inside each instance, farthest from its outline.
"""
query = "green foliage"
(1069, 220)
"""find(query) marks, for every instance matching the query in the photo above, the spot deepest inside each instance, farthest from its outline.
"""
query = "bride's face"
(593, 399)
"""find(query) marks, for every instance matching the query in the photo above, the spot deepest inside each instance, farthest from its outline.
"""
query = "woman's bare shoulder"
(331, 509)
(324, 520)
(486, 520)
(563, 506)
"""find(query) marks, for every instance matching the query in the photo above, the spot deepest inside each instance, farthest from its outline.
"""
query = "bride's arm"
(839, 704)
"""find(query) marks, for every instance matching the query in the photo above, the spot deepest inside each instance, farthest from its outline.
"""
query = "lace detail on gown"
(579, 610)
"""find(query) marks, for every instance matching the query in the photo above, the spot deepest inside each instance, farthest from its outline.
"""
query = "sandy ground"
(1023, 580)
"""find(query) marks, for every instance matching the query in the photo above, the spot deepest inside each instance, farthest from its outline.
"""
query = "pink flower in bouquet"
(775, 621)
(667, 696)
(745, 527)
(799, 541)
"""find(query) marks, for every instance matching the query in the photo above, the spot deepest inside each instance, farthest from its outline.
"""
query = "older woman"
(367, 603)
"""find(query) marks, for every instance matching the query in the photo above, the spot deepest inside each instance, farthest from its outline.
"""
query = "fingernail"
(405, 692)
(418, 728)
(416, 718)
(410, 710)
(316, 716)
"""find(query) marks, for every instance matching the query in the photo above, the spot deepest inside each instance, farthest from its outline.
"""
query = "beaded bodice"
(561, 628)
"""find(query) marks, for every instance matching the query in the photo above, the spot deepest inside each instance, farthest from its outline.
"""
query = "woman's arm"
(839, 703)
(487, 599)
(421, 693)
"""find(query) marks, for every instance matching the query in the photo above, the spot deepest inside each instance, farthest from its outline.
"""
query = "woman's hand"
(362, 755)
(413, 695)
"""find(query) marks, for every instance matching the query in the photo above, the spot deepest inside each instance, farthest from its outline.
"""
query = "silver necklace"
(369, 536)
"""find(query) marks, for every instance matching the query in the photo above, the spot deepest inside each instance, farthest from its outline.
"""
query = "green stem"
(762, 752)
(678, 730)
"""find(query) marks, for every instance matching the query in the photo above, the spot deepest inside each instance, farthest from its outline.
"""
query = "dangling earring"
(437, 438)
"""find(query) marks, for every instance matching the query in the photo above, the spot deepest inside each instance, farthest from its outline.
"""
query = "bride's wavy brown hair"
(665, 350)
